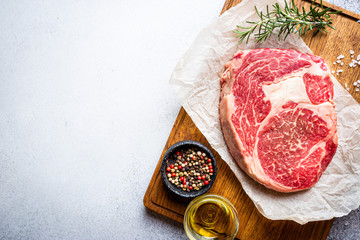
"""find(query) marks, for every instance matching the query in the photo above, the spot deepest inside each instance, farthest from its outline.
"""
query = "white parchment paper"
(196, 83)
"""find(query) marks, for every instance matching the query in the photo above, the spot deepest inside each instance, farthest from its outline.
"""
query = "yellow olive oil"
(211, 217)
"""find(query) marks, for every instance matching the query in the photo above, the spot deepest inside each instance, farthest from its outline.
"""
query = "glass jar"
(211, 216)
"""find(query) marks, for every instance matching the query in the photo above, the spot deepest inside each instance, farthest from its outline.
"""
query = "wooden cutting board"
(252, 224)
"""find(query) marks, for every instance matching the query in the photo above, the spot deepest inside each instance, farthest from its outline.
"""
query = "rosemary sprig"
(287, 20)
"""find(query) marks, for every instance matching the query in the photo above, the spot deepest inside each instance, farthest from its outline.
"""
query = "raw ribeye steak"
(278, 116)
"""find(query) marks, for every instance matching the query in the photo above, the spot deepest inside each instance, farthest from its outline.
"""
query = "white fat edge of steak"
(233, 141)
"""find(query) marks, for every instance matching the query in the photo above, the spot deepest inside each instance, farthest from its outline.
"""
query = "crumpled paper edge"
(206, 57)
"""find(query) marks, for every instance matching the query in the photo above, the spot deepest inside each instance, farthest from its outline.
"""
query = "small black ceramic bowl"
(177, 147)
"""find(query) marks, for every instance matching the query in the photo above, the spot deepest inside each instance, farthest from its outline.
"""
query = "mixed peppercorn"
(189, 170)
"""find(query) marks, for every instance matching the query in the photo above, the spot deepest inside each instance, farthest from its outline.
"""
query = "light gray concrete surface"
(352, 5)
(85, 111)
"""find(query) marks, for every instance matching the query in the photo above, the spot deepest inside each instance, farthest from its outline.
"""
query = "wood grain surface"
(252, 224)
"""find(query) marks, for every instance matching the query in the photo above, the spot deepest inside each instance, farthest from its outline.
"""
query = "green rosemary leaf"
(324, 11)
(257, 11)
(336, 12)
(242, 27)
